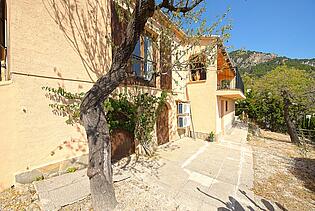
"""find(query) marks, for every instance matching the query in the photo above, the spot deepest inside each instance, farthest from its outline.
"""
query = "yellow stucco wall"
(202, 97)
(206, 104)
(29, 129)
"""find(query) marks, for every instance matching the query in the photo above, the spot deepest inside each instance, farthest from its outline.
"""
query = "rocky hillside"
(259, 63)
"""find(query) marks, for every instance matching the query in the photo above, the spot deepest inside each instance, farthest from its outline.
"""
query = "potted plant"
(225, 84)
(211, 137)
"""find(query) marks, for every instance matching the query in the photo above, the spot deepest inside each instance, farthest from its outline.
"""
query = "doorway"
(162, 126)
(222, 116)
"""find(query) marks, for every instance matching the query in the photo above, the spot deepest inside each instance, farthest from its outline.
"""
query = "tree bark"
(93, 114)
(99, 168)
(290, 125)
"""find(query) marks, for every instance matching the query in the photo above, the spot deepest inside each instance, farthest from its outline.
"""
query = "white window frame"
(185, 108)
(183, 115)
(186, 122)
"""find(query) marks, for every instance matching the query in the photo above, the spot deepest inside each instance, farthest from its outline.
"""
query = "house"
(35, 53)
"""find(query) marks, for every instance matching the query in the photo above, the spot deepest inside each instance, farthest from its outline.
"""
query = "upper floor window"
(143, 58)
(197, 66)
(3, 41)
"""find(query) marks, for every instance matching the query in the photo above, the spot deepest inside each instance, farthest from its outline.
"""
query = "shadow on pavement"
(234, 205)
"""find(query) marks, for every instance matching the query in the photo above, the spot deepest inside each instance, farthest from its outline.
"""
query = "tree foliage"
(265, 102)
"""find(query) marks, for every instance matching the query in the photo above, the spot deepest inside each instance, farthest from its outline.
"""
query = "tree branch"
(171, 7)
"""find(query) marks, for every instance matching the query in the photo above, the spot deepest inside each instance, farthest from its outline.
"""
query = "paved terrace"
(198, 175)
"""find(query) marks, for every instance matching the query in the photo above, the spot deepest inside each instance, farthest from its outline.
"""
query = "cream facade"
(35, 54)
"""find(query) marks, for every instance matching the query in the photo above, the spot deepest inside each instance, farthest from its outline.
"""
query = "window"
(183, 108)
(148, 58)
(183, 121)
(3, 41)
(197, 67)
(136, 59)
(143, 64)
(226, 105)
(183, 113)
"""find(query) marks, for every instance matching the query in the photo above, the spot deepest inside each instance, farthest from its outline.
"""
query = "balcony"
(142, 72)
(230, 85)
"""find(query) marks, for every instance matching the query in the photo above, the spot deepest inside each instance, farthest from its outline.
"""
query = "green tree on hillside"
(287, 89)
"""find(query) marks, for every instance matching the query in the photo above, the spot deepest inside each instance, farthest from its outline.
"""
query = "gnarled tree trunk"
(93, 114)
(99, 169)
(94, 122)
(290, 125)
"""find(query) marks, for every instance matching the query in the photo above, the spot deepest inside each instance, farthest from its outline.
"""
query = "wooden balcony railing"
(236, 83)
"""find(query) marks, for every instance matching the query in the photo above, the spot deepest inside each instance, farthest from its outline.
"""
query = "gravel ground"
(283, 173)
(21, 197)
(133, 195)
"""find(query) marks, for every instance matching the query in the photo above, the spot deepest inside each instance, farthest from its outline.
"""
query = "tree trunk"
(290, 125)
(92, 112)
(94, 121)
(99, 168)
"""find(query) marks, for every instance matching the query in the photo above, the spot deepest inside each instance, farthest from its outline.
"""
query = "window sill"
(197, 82)
(5, 83)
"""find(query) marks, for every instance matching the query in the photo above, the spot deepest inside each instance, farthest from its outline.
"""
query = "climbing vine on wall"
(120, 113)
(148, 108)
(65, 104)
(135, 113)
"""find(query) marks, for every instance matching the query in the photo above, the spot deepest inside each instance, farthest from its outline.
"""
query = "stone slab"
(62, 190)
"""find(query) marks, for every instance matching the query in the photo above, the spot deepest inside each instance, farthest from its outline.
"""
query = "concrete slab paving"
(228, 176)
(208, 169)
(188, 202)
(222, 190)
(172, 180)
(65, 189)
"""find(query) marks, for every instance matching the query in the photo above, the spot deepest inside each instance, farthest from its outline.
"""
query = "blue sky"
(284, 27)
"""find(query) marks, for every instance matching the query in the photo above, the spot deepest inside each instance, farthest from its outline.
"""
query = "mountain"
(258, 63)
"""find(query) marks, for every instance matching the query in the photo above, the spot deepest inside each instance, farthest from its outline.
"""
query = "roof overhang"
(235, 94)
(226, 56)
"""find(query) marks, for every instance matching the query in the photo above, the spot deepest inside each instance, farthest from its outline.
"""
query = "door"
(222, 116)
(162, 126)
(122, 144)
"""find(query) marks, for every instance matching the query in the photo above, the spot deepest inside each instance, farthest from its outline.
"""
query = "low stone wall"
(52, 170)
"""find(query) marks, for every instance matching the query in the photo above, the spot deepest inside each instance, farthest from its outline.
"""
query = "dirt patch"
(284, 173)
